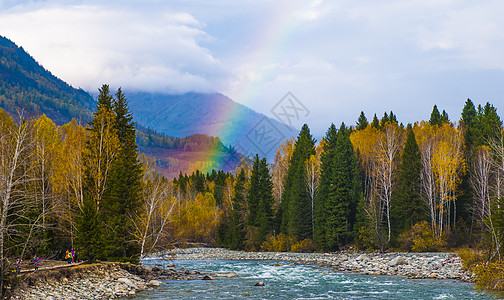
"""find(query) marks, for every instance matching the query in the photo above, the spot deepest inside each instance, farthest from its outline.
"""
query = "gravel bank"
(95, 281)
(412, 265)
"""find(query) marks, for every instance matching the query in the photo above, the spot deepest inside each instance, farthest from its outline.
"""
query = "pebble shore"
(97, 281)
(412, 265)
(115, 280)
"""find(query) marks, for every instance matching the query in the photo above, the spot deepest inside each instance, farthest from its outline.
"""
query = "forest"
(429, 186)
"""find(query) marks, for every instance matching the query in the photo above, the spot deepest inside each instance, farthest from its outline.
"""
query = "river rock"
(154, 283)
(399, 260)
(126, 281)
(226, 275)
(207, 277)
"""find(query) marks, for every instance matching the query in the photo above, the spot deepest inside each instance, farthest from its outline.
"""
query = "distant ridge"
(209, 113)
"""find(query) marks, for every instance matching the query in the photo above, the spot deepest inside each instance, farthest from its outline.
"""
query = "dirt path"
(51, 266)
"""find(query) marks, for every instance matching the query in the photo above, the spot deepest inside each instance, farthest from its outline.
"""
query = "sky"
(337, 58)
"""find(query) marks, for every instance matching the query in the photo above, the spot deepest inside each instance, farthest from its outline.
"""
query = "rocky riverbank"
(93, 281)
(412, 265)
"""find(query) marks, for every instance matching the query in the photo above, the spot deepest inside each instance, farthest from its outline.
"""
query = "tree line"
(375, 185)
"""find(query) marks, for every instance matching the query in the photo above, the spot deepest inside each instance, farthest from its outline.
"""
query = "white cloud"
(88, 45)
(340, 57)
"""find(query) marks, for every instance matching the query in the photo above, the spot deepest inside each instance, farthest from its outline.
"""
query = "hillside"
(213, 114)
(25, 83)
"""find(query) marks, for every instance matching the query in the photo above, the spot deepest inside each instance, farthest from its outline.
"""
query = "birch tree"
(19, 217)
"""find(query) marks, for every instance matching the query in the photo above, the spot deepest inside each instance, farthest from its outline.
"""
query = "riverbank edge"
(104, 280)
(412, 265)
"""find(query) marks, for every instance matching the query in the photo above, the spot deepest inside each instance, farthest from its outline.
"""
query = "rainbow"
(270, 43)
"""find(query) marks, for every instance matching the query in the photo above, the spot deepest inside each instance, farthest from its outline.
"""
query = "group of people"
(35, 260)
(70, 256)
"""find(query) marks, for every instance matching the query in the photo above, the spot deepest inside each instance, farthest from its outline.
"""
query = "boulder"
(154, 283)
(206, 277)
(399, 260)
(227, 274)
(260, 283)
(126, 281)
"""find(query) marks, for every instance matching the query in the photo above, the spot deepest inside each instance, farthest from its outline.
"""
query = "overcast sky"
(336, 57)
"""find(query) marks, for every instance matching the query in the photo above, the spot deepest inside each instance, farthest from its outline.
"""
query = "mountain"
(25, 83)
(214, 114)
(180, 131)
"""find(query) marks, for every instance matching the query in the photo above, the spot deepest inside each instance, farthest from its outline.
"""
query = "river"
(285, 280)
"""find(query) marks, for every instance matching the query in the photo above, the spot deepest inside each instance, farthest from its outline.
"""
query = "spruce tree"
(100, 151)
(384, 120)
(325, 187)
(375, 123)
(296, 214)
(266, 201)
(343, 194)
(260, 199)
(254, 193)
(238, 213)
(435, 117)
(124, 187)
(444, 117)
(362, 122)
(407, 205)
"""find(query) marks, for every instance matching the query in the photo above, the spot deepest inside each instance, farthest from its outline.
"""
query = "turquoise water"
(290, 281)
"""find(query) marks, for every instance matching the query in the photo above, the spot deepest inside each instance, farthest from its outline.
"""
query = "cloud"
(338, 57)
(88, 45)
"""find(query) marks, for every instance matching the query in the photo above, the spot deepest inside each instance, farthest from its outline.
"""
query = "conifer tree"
(435, 117)
(260, 199)
(295, 208)
(238, 213)
(362, 122)
(407, 205)
(253, 195)
(325, 187)
(392, 118)
(375, 123)
(99, 154)
(384, 120)
(444, 117)
(123, 192)
(343, 194)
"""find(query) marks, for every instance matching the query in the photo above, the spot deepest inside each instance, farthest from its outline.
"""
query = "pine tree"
(435, 117)
(295, 208)
(260, 199)
(444, 117)
(343, 194)
(325, 187)
(375, 123)
(99, 154)
(266, 201)
(254, 193)
(362, 122)
(123, 192)
(392, 118)
(384, 120)
(238, 213)
(407, 205)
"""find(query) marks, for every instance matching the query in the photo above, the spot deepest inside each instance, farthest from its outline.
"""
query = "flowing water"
(289, 281)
